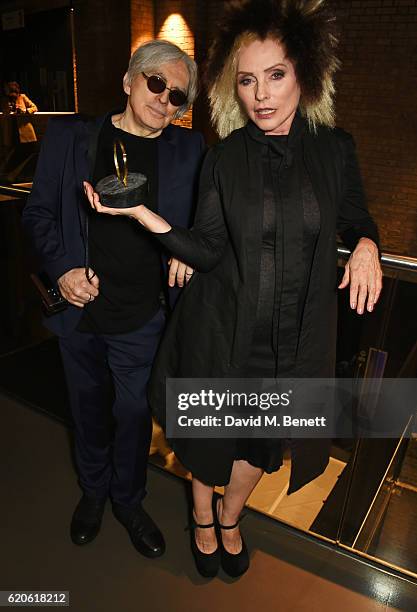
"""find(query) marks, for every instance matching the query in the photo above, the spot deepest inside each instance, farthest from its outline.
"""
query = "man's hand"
(180, 272)
(363, 272)
(76, 288)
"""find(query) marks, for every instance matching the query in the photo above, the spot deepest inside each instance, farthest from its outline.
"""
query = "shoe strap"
(232, 526)
(195, 525)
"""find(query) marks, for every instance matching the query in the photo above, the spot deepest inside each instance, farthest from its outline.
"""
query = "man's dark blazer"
(56, 212)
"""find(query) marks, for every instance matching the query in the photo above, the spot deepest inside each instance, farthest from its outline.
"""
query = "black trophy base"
(114, 194)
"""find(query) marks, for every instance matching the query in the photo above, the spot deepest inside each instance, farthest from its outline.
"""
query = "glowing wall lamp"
(176, 30)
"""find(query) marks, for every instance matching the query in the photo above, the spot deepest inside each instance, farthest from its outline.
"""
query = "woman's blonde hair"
(307, 32)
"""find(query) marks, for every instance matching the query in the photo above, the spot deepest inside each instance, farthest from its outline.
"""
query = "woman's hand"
(180, 272)
(150, 221)
(363, 272)
(94, 199)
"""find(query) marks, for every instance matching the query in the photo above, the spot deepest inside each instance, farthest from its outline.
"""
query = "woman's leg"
(203, 514)
(243, 480)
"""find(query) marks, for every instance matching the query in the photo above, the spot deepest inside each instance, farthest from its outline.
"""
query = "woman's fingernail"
(353, 304)
(360, 311)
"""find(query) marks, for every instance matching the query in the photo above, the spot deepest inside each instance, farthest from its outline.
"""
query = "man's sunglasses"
(157, 85)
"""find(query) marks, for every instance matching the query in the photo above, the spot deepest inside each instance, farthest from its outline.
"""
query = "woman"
(272, 196)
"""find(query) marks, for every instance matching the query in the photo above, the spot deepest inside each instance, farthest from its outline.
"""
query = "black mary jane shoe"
(234, 565)
(207, 563)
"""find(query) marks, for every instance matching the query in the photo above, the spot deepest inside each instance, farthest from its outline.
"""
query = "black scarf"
(285, 180)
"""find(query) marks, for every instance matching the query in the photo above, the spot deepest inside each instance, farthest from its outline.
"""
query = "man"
(109, 270)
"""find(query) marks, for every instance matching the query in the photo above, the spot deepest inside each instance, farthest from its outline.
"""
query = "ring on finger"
(90, 298)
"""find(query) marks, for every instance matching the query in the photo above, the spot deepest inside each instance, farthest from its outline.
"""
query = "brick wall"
(377, 103)
(142, 22)
(175, 20)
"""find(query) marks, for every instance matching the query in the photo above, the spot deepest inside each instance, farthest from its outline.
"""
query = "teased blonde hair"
(306, 31)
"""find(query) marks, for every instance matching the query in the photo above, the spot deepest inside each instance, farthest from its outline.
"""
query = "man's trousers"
(107, 376)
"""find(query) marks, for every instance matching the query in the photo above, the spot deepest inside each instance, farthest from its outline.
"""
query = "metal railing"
(19, 192)
(399, 262)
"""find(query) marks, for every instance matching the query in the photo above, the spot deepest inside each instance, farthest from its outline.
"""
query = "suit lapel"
(81, 174)
(166, 154)
(85, 153)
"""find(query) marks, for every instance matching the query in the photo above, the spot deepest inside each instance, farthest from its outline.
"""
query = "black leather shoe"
(145, 535)
(207, 564)
(86, 520)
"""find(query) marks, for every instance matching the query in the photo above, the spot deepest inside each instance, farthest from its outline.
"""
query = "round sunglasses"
(157, 85)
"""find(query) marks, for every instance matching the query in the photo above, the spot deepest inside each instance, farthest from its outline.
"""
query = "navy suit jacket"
(56, 211)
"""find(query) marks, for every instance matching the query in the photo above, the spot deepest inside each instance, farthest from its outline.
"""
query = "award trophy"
(122, 190)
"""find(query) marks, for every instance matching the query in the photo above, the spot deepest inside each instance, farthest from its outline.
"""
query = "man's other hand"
(76, 288)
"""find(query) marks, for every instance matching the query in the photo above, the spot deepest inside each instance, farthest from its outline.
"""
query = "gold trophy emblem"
(121, 173)
(122, 190)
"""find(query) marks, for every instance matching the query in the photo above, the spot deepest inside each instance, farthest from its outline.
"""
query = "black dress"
(277, 164)
(308, 189)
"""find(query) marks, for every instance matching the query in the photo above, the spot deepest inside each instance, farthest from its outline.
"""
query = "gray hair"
(152, 54)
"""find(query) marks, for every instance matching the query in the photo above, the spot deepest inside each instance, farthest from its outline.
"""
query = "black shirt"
(125, 257)
(277, 329)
